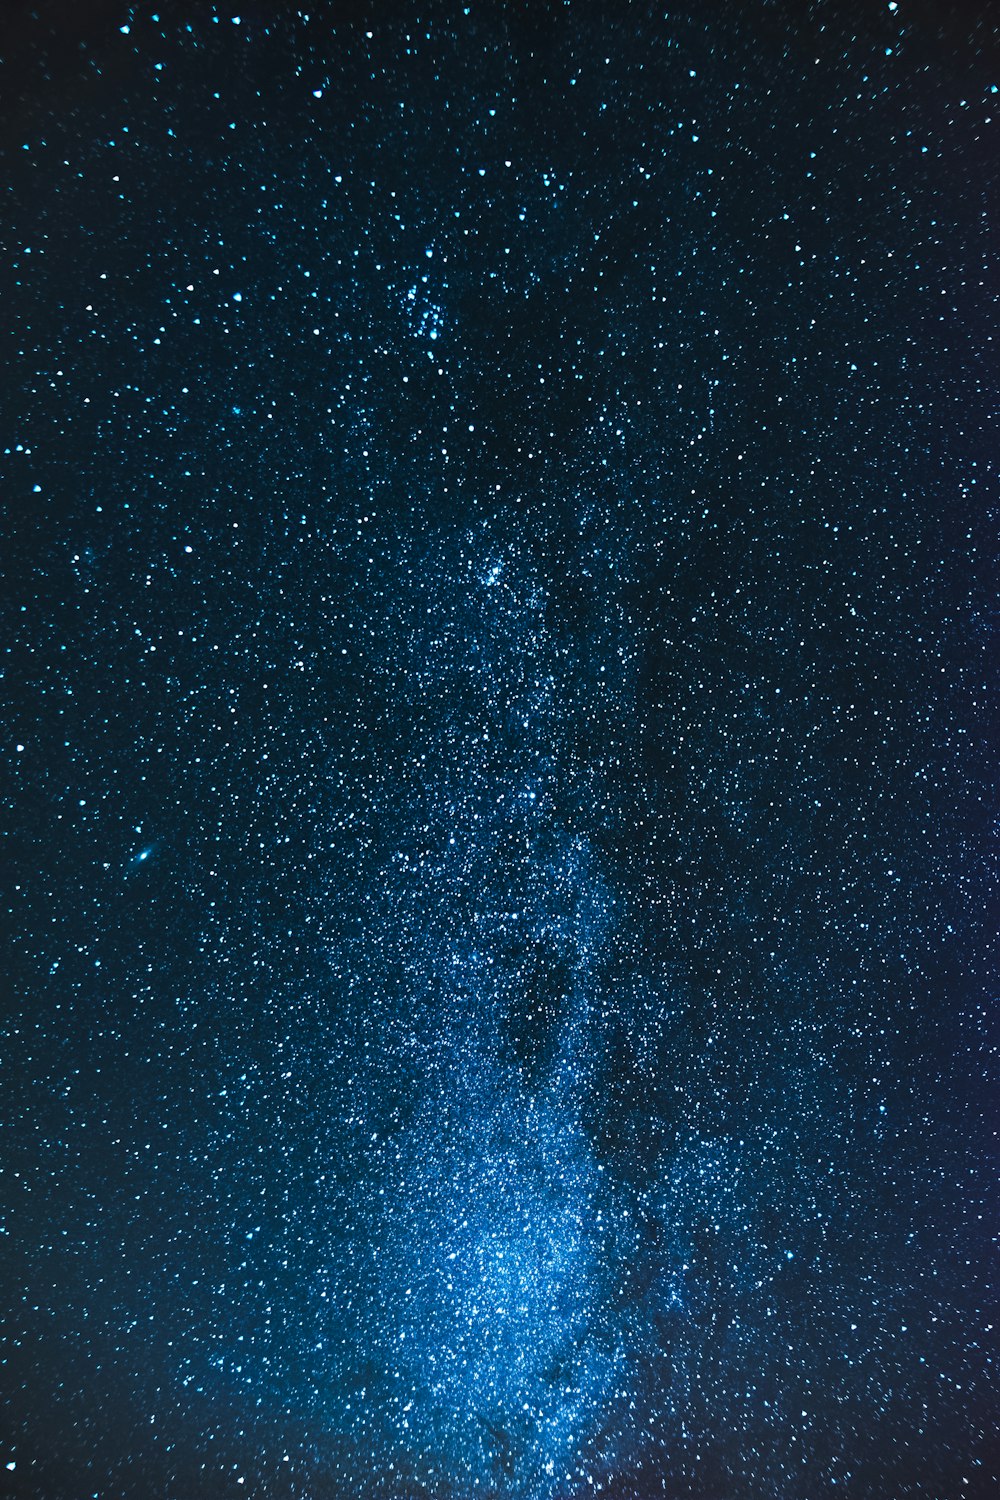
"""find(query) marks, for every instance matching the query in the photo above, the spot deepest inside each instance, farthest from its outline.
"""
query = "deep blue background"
(499, 646)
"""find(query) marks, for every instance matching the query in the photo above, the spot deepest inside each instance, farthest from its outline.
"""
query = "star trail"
(499, 671)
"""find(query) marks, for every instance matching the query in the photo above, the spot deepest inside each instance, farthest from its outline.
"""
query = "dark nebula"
(499, 653)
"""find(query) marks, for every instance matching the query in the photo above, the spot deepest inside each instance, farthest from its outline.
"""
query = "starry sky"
(498, 655)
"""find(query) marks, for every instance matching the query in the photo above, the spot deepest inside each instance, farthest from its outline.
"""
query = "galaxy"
(499, 683)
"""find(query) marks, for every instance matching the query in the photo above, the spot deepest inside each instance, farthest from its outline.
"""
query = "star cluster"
(499, 844)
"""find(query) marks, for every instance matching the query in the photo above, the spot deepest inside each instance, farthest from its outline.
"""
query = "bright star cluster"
(499, 816)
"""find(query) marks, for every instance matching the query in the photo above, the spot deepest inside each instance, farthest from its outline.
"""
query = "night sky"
(498, 657)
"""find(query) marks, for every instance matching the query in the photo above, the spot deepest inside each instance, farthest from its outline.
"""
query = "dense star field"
(499, 646)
